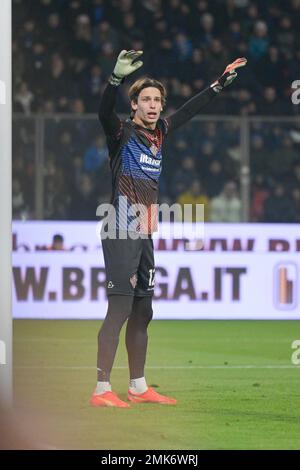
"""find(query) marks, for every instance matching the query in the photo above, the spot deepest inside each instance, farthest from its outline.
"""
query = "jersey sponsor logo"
(146, 168)
(150, 161)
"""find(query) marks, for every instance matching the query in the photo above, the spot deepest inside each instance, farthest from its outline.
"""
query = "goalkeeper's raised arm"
(195, 104)
(125, 65)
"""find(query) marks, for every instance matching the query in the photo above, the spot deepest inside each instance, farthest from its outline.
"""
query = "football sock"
(119, 309)
(136, 335)
(138, 385)
(102, 387)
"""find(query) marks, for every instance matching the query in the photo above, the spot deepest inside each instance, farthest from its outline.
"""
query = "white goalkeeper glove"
(125, 65)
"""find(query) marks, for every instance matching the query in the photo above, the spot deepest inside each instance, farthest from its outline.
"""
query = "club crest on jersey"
(153, 150)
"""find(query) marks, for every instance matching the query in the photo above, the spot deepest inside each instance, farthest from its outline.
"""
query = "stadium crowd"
(63, 53)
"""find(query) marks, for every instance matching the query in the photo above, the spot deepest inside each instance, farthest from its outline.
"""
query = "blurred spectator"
(251, 17)
(18, 200)
(285, 36)
(76, 170)
(194, 195)
(215, 178)
(217, 58)
(281, 160)
(37, 68)
(24, 100)
(278, 206)
(84, 200)
(270, 104)
(90, 87)
(244, 102)
(104, 32)
(183, 176)
(57, 243)
(271, 69)
(227, 206)
(295, 210)
(18, 59)
(82, 43)
(48, 107)
(207, 33)
(183, 47)
(234, 34)
(28, 34)
(107, 58)
(129, 28)
(58, 82)
(96, 155)
(77, 106)
(54, 32)
(195, 70)
(259, 41)
(294, 177)
(44, 9)
(259, 195)
(53, 190)
(207, 155)
(103, 185)
(64, 148)
(259, 155)
(97, 11)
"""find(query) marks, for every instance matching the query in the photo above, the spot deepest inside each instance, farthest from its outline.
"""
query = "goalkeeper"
(135, 160)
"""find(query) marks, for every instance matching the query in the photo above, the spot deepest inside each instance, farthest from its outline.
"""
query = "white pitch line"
(165, 367)
(80, 340)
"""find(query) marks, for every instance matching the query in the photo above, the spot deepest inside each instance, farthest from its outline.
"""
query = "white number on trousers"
(151, 277)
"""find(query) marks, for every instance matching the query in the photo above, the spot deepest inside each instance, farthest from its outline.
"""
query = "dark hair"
(58, 238)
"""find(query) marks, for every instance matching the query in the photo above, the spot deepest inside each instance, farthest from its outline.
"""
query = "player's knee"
(119, 305)
(149, 314)
(118, 311)
(144, 312)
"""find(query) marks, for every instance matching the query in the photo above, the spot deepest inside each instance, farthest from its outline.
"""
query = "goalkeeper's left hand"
(228, 75)
(125, 65)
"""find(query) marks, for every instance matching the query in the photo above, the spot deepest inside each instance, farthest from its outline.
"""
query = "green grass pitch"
(234, 381)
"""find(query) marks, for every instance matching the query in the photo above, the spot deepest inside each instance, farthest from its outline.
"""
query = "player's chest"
(144, 155)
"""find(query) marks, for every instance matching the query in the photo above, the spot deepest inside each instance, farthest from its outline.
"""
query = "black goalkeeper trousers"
(138, 312)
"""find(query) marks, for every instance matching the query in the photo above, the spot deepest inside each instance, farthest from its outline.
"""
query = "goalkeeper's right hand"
(125, 63)
(228, 75)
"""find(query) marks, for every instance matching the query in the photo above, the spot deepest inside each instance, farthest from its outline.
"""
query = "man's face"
(148, 107)
(58, 245)
(230, 190)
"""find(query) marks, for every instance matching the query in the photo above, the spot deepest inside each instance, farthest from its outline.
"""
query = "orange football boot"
(107, 399)
(150, 396)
